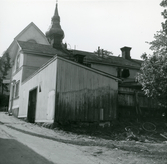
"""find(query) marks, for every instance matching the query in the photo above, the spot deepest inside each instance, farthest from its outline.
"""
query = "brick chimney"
(126, 52)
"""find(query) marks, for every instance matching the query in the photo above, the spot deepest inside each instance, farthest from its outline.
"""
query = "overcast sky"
(87, 24)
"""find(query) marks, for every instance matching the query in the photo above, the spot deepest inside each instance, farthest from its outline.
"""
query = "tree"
(153, 75)
(164, 14)
(103, 53)
(4, 68)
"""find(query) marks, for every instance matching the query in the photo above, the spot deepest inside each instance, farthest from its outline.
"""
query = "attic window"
(17, 89)
(32, 41)
(125, 73)
(79, 58)
(17, 61)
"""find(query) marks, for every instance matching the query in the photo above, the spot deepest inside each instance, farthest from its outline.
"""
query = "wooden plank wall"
(82, 93)
(132, 102)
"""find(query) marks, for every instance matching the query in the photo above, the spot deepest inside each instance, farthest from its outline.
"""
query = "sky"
(87, 24)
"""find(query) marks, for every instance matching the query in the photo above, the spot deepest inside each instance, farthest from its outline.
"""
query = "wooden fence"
(132, 104)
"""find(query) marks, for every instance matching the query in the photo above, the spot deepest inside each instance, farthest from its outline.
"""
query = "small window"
(31, 41)
(17, 89)
(125, 73)
(18, 62)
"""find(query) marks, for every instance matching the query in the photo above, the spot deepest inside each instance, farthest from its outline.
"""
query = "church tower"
(55, 34)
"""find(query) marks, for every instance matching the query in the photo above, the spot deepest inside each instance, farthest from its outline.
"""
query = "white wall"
(20, 62)
(46, 79)
(16, 78)
(33, 63)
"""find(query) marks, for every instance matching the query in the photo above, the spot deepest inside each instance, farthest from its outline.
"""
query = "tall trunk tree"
(4, 68)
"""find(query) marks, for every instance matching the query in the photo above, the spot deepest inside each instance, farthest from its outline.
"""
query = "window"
(17, 61)
(32, 41)
(17, 89)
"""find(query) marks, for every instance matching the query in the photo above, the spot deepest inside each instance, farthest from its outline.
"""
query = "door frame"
(30, 117)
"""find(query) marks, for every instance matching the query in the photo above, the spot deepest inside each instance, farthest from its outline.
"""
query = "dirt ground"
(145, 142)
(122, 143)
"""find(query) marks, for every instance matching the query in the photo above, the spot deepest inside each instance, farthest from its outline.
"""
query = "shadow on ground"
(12, 152)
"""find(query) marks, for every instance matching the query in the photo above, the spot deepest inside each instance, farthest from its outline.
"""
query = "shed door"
(32, 105)
(51, 105)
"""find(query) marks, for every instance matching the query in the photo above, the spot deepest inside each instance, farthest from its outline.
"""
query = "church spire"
(55, 34)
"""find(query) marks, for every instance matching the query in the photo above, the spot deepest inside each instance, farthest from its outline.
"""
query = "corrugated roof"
(111, 60)
(41, 49)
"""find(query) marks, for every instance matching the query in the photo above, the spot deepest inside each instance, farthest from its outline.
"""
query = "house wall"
(21, 56)
(32, 63)
(83, 94)
(133, 73)
(14, 101)
(113, 70)
(29, 33)
(45, 81)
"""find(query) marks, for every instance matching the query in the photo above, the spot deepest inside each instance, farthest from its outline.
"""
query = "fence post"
(137, 106)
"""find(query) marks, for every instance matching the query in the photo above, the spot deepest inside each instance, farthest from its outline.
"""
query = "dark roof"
(130, 84)
(41, 49)
(110, 60)
(137, 61)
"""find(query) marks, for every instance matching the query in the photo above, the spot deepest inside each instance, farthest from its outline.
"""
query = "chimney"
(126, 52)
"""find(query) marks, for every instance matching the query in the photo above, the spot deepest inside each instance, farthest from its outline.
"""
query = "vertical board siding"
(127, 104)
(81, 93)
(127, 98)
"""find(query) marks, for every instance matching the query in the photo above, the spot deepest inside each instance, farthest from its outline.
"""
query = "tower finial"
(55, 34)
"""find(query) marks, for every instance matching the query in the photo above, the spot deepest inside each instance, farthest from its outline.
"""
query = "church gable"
(33, 34)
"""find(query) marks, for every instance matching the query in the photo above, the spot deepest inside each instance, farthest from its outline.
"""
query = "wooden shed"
(66, 91)
(84, 94)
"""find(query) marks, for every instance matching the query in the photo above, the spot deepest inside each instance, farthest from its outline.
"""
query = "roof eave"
(37, 53)
(103, 63)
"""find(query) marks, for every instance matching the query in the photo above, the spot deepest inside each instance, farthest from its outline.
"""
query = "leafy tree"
(4, 68)
(153, 75)
(164, 14)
